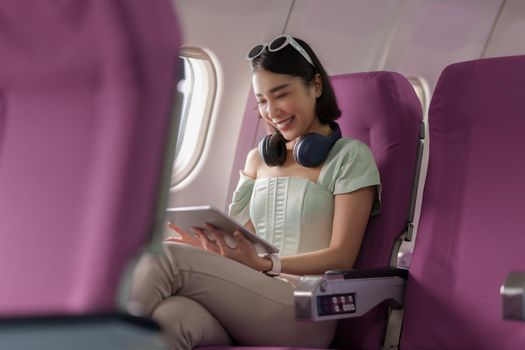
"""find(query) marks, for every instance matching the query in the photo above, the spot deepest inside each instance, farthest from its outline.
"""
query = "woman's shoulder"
(345, 153)
(253, 162)
(350, 166)
(348, 147)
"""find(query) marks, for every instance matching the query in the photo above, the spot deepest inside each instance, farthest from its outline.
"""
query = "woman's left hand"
(244, 251)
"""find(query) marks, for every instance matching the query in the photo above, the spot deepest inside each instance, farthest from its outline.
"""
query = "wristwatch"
(276, 265)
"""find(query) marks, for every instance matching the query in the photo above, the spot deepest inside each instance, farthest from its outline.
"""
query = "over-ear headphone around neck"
(309, 151)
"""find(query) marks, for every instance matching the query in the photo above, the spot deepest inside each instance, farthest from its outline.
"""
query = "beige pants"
(201, 298)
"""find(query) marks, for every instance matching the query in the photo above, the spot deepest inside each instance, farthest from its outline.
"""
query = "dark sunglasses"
(278, 44)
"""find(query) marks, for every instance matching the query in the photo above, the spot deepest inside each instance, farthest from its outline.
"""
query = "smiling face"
(287, 103)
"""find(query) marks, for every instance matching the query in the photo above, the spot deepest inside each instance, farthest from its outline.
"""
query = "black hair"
(289, 61)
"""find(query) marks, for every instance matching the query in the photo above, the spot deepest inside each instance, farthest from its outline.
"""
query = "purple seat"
(86, 90)
(470, 233)
(382, 110)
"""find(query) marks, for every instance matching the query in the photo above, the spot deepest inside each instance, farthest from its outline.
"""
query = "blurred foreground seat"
(86, 91)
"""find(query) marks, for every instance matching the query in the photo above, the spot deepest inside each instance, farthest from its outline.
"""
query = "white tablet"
(188, 217)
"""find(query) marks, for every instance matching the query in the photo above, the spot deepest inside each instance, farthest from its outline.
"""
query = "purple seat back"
(470, 233)
(382, 110)
(86, 90)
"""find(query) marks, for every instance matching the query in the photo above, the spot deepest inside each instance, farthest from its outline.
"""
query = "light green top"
(295, 214)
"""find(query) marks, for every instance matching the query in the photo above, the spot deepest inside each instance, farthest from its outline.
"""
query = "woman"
(305, 189)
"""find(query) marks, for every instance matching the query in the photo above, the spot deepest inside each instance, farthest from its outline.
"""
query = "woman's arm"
(351, 214)
(253, 161)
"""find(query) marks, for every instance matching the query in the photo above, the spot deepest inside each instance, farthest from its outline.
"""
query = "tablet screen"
(197, 216)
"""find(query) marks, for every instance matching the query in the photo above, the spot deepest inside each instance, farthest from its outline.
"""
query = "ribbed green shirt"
(296, 214)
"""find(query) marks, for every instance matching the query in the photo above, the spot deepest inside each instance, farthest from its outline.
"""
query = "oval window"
(198, 89)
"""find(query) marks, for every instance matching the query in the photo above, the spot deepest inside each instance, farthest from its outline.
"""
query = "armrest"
(345, 294)
(513, 296)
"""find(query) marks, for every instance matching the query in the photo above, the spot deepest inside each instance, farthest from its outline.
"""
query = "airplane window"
(198, 89)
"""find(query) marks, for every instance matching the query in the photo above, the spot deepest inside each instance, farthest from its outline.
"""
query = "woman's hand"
(243, 252)
(185, 238)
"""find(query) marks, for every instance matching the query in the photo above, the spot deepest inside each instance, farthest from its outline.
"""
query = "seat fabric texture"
(86, 91)
(470, 234)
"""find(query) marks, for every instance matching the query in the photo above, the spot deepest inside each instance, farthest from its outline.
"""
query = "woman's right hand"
(184, 237)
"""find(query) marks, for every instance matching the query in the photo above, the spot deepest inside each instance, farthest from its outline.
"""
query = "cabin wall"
(226, 29)
(509, 29)
(413, 37)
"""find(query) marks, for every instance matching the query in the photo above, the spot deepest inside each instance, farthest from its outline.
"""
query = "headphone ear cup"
(297, 149)
(272, 149)
(310, 150)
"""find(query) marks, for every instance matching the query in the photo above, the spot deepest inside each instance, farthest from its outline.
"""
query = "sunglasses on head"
(278, 44)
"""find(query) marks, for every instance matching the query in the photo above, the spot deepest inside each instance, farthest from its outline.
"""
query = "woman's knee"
(187, 324)
(157, 277)
(152, 281)
(154, 270)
